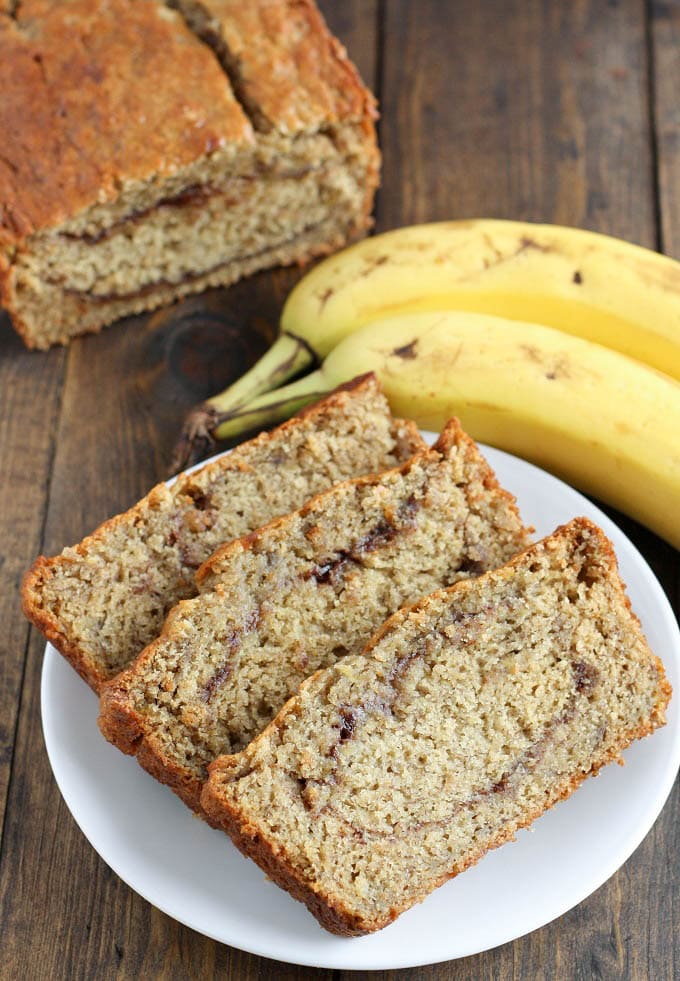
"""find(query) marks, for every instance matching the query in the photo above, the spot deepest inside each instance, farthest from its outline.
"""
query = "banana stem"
(272, 407)
(287, 356)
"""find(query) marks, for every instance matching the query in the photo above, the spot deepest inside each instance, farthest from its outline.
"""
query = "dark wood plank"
(665, 85)
(30, 388)
(523, 109)
(63, 913)
(355, 24)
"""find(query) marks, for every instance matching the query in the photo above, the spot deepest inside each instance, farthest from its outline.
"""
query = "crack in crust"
(245, 106)
(207, 29)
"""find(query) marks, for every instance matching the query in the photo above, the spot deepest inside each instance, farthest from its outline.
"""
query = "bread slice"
(105, 599)
(474, 712)
(150, 150)
(298, 595)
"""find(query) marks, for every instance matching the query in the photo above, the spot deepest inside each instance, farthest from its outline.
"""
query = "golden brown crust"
(280, 869)
(50, 626)
(297, 76)
(454, 434)
(122, 726)
(47, 620)
(95, 95)
(126, 728)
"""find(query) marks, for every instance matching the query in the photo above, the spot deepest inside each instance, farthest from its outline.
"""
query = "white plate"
(153, 842)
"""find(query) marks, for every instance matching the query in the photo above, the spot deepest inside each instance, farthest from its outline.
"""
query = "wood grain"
(524, 109)
(528, 110)
(30, 391)
(664, 41)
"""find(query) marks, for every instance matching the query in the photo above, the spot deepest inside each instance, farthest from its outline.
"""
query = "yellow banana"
(604, 422)
(588, 285)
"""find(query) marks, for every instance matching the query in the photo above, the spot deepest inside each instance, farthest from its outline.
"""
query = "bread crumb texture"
(300, 594)
(473, 712)
(103, 600)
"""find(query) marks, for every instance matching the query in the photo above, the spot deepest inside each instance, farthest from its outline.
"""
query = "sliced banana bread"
(475, 711)
(296, 596)
(105, 599)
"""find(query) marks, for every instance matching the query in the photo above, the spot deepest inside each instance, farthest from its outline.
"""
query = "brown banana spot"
(407, 351)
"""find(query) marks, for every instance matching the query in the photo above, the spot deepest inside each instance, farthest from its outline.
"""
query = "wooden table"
(552, 111)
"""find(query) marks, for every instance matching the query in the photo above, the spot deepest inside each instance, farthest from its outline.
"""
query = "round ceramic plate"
(153, 842)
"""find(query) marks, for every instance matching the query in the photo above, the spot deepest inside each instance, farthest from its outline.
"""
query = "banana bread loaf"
(152, 149)
(105, 599)
(474, 712)
(299, 594)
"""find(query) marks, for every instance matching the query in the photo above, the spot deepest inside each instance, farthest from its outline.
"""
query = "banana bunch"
(589, 285)
(594, 417)
(578, 375)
